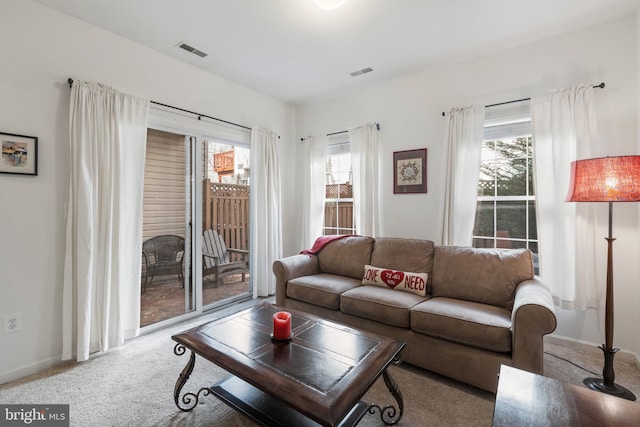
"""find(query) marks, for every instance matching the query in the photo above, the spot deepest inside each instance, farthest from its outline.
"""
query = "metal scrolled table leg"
(189, 399)
(389, 414)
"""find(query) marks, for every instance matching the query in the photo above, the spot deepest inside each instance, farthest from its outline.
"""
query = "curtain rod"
(343, 131)
(200, 116)
(601, 86)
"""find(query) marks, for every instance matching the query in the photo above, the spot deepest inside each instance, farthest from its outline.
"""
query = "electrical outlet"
(12, 323)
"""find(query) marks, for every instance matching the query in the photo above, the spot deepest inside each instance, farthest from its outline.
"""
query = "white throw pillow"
(416, 283)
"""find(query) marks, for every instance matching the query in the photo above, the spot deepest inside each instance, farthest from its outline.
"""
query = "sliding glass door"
(196, 218)
(167, 279)
(225, 223)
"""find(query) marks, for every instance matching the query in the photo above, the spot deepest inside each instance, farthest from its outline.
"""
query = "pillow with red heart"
(415, 283)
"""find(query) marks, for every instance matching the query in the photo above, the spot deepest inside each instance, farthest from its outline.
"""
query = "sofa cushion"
(403, 254)
(406, 281)
(380, 304)
(486, 275)
(470, 323)
(346, 257)
(320, 289)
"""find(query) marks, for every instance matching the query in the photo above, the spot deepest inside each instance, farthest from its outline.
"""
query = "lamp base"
(598, 384)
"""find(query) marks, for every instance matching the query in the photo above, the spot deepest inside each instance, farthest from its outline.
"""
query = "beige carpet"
(133, 386)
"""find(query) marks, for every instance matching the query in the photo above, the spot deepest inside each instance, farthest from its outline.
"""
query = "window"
(506, 206)
(338, 203)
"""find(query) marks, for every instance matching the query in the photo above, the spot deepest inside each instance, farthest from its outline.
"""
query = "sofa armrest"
(533, 317)
(291, 267)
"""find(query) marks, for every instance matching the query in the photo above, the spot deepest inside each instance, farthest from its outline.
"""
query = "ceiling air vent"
(363, 71)
(192, 50)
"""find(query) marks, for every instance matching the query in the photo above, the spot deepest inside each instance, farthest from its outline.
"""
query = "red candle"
(282, 325)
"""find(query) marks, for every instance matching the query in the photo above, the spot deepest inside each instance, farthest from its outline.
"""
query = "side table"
(527, 399)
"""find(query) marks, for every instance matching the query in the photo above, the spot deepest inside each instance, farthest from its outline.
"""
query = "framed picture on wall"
(410, 171)
(19, 154)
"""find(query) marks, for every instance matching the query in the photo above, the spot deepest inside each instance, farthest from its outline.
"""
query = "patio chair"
(162, 256)
(216, 260)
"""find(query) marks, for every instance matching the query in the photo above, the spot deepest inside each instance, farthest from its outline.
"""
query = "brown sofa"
(483, 307)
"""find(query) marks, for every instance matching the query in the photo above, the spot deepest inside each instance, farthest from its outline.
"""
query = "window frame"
(339, 146)
(508, 122)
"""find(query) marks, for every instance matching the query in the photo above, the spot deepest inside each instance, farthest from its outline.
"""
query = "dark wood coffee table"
(317, 378)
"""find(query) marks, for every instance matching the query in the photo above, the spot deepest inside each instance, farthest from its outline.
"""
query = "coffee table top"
(323, 371)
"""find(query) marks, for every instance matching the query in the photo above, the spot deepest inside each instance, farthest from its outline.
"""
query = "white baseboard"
(31, 369)
(582, 345)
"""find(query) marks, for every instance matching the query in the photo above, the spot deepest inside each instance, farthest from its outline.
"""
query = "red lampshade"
(605, 179)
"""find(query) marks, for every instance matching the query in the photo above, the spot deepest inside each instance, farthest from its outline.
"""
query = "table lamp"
(607, 179)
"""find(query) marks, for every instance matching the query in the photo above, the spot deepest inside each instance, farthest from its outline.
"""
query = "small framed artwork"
(410, 171)
(19, 154)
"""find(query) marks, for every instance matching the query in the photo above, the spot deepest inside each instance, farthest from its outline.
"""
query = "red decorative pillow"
(415, 283)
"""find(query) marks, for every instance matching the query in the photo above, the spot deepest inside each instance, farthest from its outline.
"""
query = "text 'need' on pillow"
(415, 283)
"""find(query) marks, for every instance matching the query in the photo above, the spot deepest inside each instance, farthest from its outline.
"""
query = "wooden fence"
(338, 215)
(338, 218)
(333, 191)
(226, 210)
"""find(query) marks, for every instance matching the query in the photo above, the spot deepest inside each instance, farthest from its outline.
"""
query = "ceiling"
(297, 52)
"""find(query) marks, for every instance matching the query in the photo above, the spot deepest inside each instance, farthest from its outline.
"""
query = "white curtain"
(314, 154)
(564, 130)
(266, 218)
(107, 136)
(364, 164)
(464, 148)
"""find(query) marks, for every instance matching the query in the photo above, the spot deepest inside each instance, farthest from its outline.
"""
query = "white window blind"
(507, 120)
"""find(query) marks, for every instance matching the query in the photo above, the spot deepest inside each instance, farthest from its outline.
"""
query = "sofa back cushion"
(403, 254)
(346, 257)
(396, 253)
(488, 276)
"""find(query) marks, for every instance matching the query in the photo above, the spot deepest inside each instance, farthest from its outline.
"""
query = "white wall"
(409, 112)
(41, 48)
